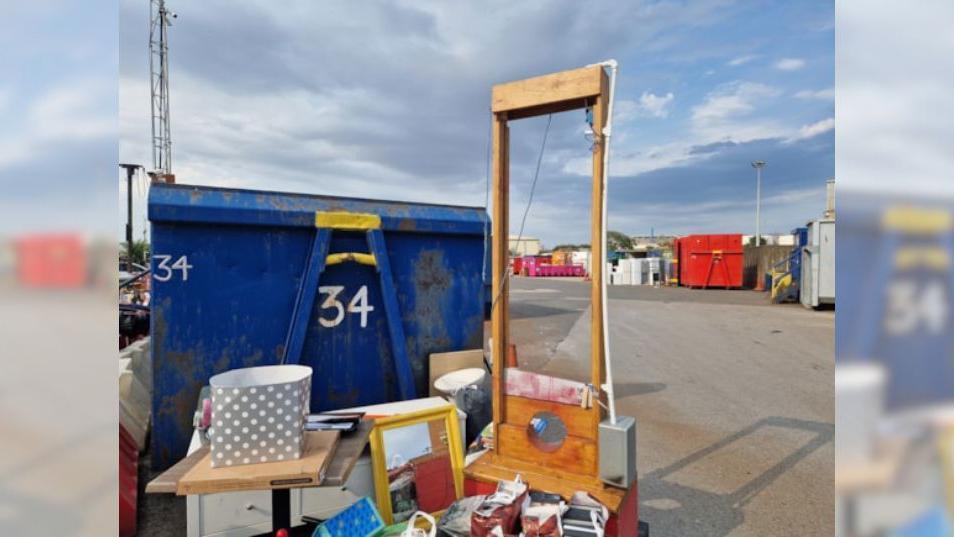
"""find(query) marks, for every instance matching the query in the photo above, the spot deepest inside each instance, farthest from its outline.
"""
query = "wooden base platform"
(491, 469)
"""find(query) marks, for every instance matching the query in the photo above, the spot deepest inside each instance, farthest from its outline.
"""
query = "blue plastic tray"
(359, 520)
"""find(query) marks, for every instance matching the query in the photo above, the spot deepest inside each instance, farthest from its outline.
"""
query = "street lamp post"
(758, 165)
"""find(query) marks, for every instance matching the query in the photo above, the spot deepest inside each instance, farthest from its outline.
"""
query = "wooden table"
(348, 448)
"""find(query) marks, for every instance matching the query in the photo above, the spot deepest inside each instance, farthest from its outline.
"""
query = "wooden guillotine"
(572, 465)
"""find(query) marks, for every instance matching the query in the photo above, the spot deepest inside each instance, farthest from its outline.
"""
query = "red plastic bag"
(543, 520)
(535, 527)
(500, 510)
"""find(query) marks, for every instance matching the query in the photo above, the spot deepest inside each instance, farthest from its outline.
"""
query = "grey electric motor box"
(618, 451)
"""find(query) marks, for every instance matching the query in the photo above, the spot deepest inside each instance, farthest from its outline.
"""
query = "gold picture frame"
(378, 454)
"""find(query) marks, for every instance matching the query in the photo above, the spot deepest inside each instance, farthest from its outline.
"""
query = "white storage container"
(818, 264)
(651, 270)
(625, 268)
(258, 414)
(638, 277)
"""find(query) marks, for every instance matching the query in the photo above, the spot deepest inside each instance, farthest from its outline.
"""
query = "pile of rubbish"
(512, 510)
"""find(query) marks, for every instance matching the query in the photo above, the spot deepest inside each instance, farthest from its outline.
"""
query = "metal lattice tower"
(159, 22)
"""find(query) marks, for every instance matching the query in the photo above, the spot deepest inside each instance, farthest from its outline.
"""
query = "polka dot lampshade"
(258, 414)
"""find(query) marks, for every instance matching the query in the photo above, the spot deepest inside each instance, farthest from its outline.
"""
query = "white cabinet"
(325, 502)
(243, 514)
(233, 514)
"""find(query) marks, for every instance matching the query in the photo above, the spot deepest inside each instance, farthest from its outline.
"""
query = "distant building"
(772, 239)
(645, 243)
(524, 246)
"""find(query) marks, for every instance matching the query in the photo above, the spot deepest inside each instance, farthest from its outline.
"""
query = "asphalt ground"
(733, 397)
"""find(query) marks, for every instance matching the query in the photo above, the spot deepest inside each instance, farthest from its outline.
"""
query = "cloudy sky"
(58, 123)
(391, 99)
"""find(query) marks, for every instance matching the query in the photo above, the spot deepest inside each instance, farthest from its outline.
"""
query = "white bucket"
(451, 383)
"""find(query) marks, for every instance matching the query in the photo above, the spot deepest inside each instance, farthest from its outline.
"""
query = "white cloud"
(656, 105)
(893, 101)
(648, 105)
(814, 129)
(710, 207)
(727, 114)
(70, 112)
(790, 64)
(628, 161)
(741, 60)
(225, 143)
(64, 113)
(249, 112)
(731, 99)
(827, 94)
(789, 205)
